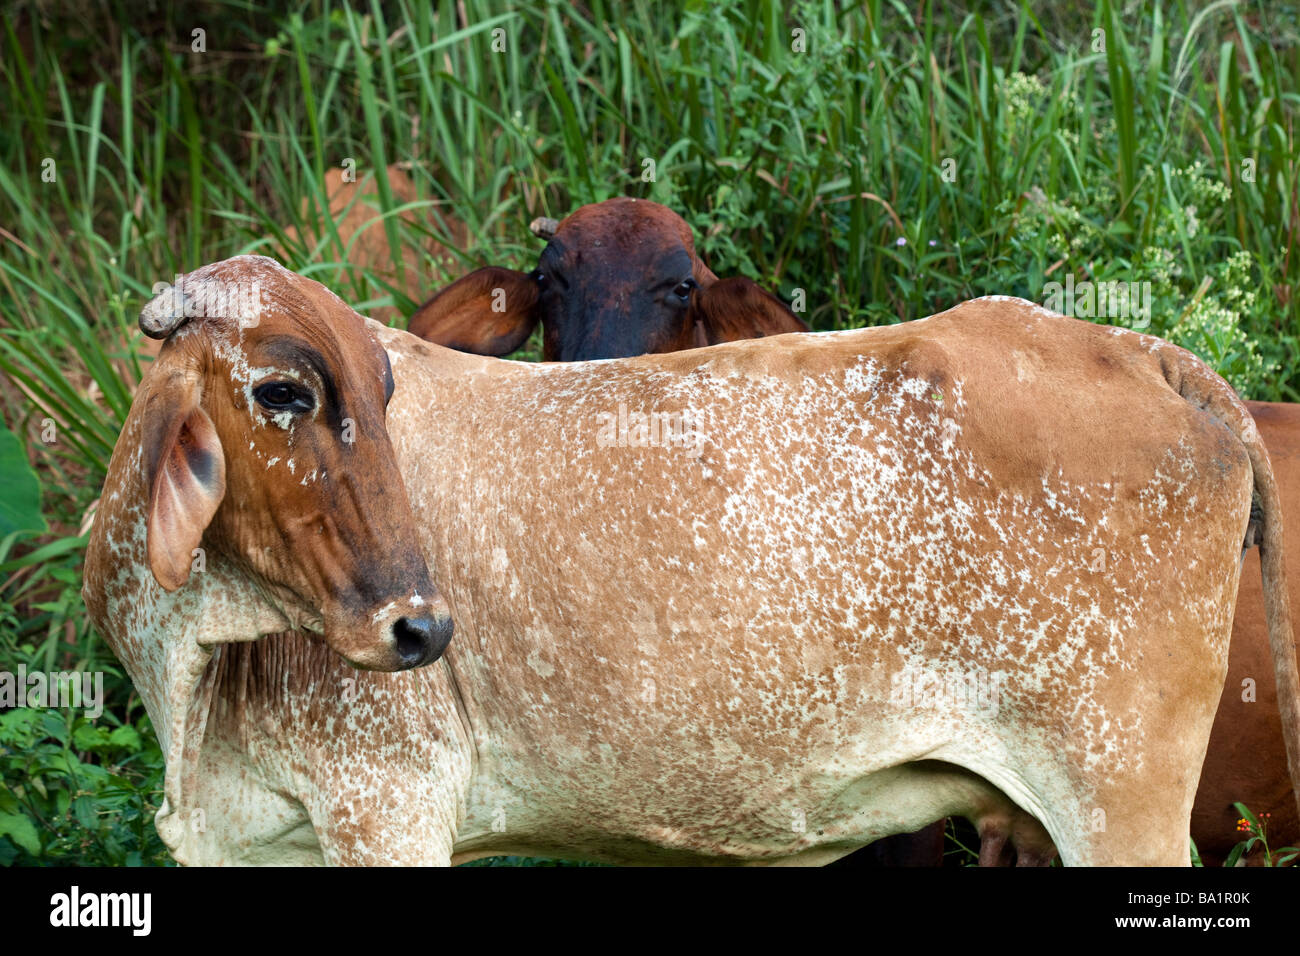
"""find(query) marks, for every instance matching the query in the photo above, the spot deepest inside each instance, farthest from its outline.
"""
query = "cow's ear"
(738, 308)
(491, 311)
(186, 471)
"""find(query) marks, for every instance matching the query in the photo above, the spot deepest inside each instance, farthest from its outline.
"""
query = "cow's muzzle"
(399, 636)
(421, 640)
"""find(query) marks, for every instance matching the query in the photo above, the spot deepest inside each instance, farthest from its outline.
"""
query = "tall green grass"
(912, 156)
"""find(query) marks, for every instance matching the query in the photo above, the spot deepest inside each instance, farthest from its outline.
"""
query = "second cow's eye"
(284, 397)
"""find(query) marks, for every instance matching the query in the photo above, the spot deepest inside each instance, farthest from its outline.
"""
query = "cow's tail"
(1206, 390)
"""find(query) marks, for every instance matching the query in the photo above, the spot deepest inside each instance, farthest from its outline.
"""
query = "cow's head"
(263, 437)
(616, 278)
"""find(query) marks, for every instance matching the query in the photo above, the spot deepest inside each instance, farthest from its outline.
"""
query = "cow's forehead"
(248, 297)
(623, 223)
(249, 308)
(238, 268)
(244, 287)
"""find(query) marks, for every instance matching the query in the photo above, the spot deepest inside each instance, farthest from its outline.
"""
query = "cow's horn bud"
(543, 227)
(164, 313)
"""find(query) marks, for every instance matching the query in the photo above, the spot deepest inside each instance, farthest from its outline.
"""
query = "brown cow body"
(633, 681)
(1246, 761)
(354, 215)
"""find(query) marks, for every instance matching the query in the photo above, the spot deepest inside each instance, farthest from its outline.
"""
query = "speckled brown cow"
(764, 602)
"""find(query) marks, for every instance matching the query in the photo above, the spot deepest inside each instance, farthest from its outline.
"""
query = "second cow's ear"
(186, 471)
(491, 311)
(738, 308)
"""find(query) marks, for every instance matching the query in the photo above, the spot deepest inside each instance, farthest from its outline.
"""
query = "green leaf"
(19, 829)
(20, 504)
(83, 808)
(89, 737)
(17, 727)
(55, 725)
(126, 737)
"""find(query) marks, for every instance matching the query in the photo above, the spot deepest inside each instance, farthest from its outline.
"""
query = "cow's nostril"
(421, 640)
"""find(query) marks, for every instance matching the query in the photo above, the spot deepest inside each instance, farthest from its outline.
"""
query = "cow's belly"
(814, 815)
(722, 759)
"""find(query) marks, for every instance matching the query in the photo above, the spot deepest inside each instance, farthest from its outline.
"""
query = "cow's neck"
(483, 537)
(370, 767)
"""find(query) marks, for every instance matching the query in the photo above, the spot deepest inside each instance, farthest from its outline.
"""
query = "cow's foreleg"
(361, 830)
(387, 816)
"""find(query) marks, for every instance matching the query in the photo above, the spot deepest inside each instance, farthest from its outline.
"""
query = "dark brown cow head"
(616, 278)
(261, 434)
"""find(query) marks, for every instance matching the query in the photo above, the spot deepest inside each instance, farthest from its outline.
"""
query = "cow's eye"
(284, 397)
(684, 288)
